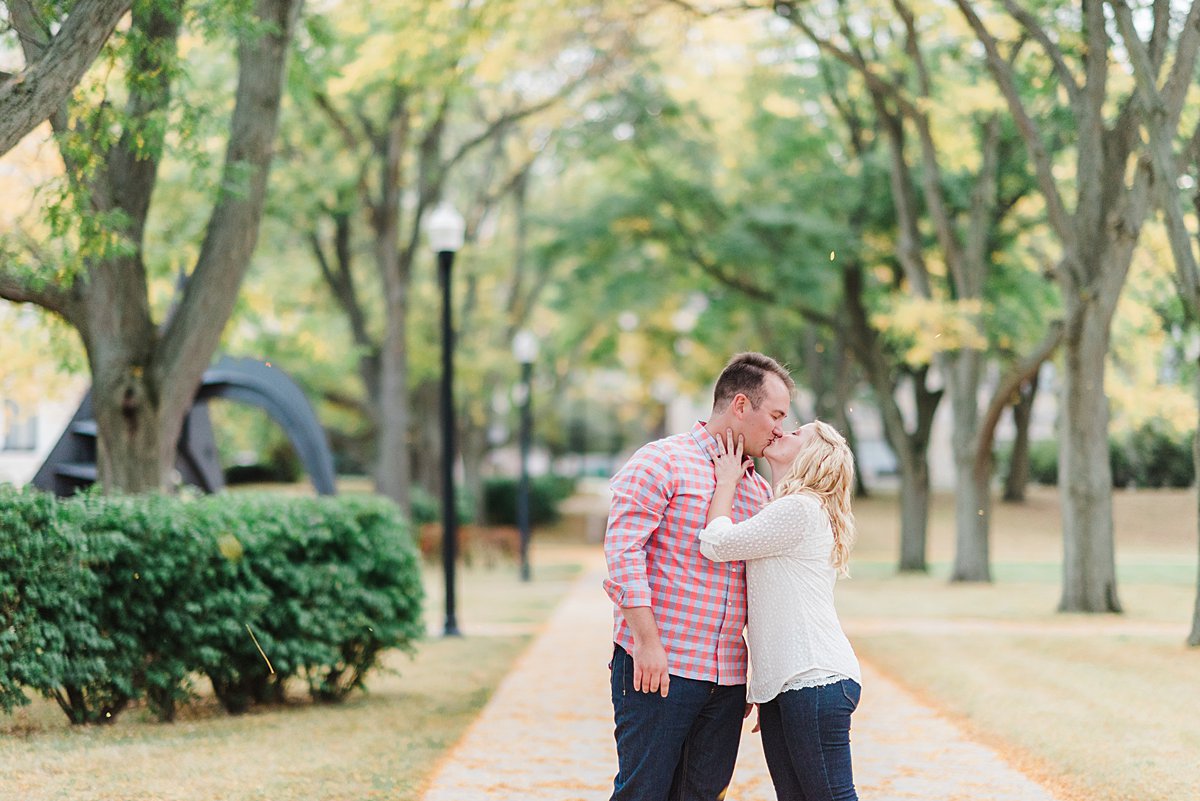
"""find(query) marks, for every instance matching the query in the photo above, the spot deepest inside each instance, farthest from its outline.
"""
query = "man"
(679, 660)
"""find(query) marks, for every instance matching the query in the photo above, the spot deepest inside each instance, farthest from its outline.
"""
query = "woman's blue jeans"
(678, 748)
(806, 739)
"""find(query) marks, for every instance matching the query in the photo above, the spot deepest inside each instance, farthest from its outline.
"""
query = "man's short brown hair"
(745, 374)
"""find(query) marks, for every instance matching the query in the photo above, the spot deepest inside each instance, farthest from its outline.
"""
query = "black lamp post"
(445, 229)
(525, 348)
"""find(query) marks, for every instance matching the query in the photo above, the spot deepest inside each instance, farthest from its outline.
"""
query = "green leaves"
(107, 599)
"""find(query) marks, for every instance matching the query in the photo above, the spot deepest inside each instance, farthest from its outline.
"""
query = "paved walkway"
(547, 732)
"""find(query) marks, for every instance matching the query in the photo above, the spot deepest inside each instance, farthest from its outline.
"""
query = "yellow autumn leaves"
(925, 327)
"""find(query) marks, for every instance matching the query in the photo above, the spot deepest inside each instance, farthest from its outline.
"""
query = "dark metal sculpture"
(71, 464)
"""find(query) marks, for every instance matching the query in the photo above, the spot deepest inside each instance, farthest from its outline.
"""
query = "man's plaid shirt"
(660, 502)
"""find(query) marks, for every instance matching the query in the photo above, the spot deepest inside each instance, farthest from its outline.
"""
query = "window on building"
(20, 429)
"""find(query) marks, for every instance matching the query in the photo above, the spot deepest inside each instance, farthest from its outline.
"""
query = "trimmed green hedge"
(427, 507)
(1150, 456)
(546, 493)
(104, 600)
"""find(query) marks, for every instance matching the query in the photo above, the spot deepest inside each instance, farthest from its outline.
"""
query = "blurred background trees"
(909, 202)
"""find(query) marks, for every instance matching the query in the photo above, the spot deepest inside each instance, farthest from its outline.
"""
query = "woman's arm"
(776, 530)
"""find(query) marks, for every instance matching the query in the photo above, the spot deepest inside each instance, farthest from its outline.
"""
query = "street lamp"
(525, 350)
(446, 229)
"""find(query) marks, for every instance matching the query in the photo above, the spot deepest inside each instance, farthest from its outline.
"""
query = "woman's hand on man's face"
(730, 462)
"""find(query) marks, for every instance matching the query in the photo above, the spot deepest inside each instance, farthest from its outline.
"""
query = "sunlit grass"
(1100, 706)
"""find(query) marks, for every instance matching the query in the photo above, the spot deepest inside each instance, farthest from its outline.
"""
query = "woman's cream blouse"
(793, 629)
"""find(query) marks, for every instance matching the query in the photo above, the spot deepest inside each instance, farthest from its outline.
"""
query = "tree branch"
(517, 114)
(1039, 35)
(349, 138)
(1160, 36)
(1001, 398)
(881, 91)
(737, 281)
(496, 125)
(1162, 122)
(912, 46)
(192, 335)
(345, 401)
(132, 164)
(1060, 219)
(983, 208)
(341, 278)
(952, 249)
(23, 289)
(1183, 71)
(38, 91)
(1191, 151)
(859, 64)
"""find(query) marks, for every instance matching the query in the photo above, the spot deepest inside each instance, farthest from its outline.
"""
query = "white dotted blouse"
(793, 631)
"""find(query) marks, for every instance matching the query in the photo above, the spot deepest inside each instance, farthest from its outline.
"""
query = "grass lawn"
(382, 744)
(1103, 707)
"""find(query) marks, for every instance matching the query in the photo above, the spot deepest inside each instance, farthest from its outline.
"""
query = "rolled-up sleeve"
(640, 492)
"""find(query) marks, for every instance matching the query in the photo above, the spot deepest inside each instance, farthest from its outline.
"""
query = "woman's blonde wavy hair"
(825, 468)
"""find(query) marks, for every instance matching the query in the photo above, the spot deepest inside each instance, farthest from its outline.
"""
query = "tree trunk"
(1018, 465)
(822, 373)
(1162, 122)
(427, 430)
(338, 273)
(1194, 637)
(914, 512)
(910, 447)
(131, 455)
(972, 561)
(1084, 474)
(108, 302)
(157, 390)
(827, 366)
(392, 471)
(395, 270)
(971, 497)
(972, 556)
(474, 447)
(193, 334)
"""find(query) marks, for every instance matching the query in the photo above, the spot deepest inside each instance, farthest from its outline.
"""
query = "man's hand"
(649, 657)
(650, 668)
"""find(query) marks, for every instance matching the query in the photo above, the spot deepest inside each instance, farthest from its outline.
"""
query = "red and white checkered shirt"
(660, 501)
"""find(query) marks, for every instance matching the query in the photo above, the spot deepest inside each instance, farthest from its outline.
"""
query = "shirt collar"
(708, 443)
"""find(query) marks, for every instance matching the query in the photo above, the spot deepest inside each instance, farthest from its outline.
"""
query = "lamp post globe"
(446, 231)
(525, 350)
(525, 346)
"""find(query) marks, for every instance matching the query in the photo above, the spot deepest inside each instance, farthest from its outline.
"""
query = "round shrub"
(106, 599)
(546, 494)
(49, 640)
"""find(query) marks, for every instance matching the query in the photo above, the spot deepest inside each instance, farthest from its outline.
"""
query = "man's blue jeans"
(678, 748)
(806, 739)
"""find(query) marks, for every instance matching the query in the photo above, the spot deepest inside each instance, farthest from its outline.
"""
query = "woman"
(803, 673)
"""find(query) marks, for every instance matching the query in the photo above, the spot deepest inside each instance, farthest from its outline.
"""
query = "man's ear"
(738, 407)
